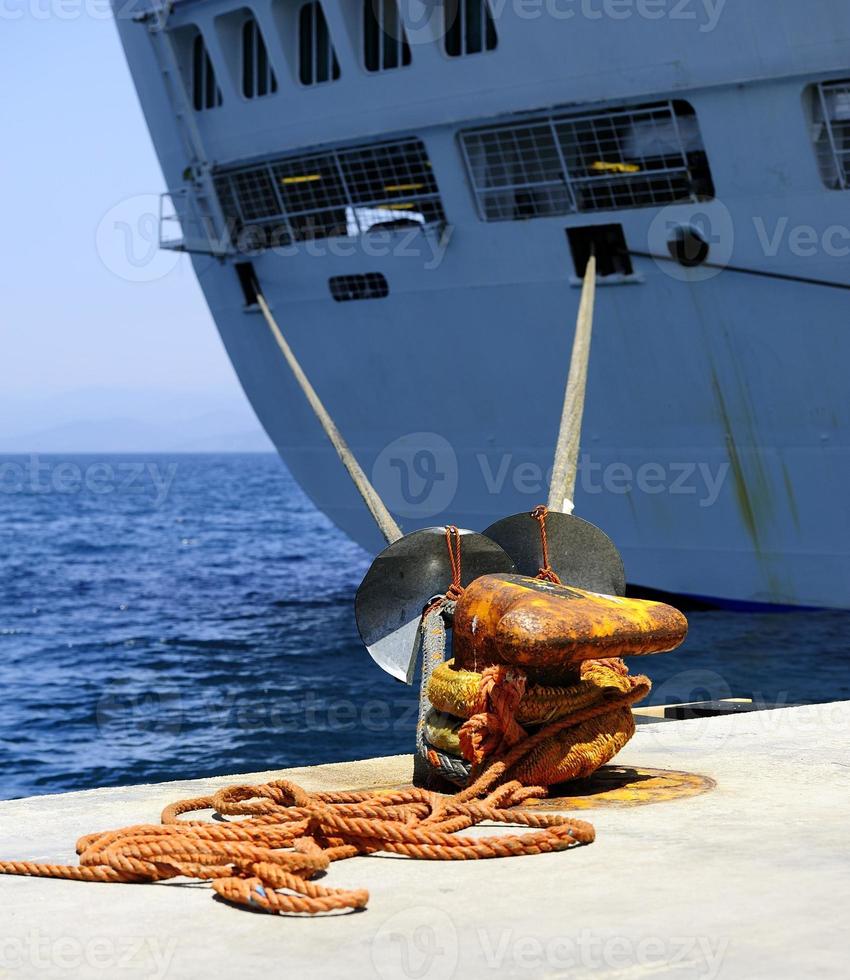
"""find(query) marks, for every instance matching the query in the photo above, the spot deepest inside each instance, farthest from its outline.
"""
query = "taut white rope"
(563, 485)
(378, 510)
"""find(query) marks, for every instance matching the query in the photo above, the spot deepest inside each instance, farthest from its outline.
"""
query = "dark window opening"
(638, 157)
(316, 53)
(372, 285)
(469, 27)
(248, 281)
(205, 91)
(831, 125)
(385, 44)
(608, 244)
(347, 192)
(258, 77)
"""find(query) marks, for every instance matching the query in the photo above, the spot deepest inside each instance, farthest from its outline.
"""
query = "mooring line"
(563, 484)
(377, 508)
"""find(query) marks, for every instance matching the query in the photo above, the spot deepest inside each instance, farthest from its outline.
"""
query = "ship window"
(385, 44)
(336, 193)
(205, 91)
(832, 133)
(629, 158)
(468, 27)
(608, 244)
(316, 53)
(372, 285)
(258, 77)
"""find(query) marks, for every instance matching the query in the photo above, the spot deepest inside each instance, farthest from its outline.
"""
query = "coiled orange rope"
(283, 836)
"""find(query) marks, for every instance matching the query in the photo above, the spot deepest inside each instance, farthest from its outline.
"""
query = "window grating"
(468, 27)
(832, 133)
(258, 77)
(372, 285)
(385, 44)
(317, 61)
(205, 91)
(333, 193)
(640, 157)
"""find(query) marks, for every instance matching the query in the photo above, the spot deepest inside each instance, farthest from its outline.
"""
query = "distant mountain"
(113, 421)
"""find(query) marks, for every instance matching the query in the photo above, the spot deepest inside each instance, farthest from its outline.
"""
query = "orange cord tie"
(455, 590)
(546, 572)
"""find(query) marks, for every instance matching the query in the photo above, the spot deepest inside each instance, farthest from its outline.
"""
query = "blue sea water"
(167, 617)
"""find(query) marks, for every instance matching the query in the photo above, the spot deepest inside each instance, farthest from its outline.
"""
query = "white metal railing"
(186, 225)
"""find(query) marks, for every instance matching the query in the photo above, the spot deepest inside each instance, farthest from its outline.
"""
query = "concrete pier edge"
(749, 879)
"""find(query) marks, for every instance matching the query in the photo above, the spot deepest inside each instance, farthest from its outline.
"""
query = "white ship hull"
(716, 447)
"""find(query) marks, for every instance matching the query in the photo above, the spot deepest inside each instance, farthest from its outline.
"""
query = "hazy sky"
(75, 156)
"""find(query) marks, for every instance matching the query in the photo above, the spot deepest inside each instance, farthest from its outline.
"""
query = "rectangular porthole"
(608, 243)
(205, 91)
(258, 77)
(385, 44)
(317, 60)
(468, 27)
(371, 285)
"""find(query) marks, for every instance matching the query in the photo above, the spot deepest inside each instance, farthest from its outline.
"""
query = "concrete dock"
(739, 868)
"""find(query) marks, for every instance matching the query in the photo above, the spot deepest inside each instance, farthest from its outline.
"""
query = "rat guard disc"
(401, 581)
(579, 552)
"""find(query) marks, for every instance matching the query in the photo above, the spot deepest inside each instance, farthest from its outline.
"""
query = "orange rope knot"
(493, 729)
(546, 572)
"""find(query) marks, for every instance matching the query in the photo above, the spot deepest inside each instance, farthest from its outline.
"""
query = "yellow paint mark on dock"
(611, 786)
(622, 786)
